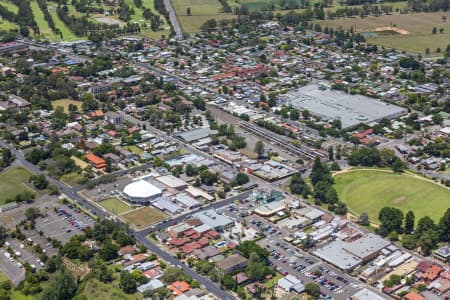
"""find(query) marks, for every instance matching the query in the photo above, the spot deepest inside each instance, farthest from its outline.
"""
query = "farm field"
(201, 11)
(12, 182)
(414, 30)
(144, 217)
(64, 103)
(370, 190)
(115, 205)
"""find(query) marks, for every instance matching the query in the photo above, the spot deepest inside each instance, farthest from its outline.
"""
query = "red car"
(286, 273)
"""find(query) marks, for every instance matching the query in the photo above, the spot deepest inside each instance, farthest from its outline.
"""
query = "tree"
(425, 224)
(241, 178)
(39, 181)
(409, 222)
(391, 219)
(444, 226)
(426, 243)
(255, 268)
(127, 282)
(341, 208)
(32, 213)
(364, 219)
(188, 11)
(62, 286)
(298, 186)
(109, 251)
(409, 241)
(209, 25)
(330, 153)
(259, 149)
(248, 247)
(320, 172)
(434, 31)
(312, 289)
(398, 165)
(102, 272)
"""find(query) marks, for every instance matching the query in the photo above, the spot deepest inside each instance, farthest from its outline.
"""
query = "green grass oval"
(370, 190)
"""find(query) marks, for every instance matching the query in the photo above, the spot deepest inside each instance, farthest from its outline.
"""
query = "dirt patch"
(399, 201)
(391, 28)
(77, 270)
(109, 21)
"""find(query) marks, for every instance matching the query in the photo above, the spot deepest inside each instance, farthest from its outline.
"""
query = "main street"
(141, 236)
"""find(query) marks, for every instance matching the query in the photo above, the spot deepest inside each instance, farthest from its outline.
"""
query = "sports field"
(115, 205)
(144, 217)
(409, 32)
(370, 190)
(12, 183)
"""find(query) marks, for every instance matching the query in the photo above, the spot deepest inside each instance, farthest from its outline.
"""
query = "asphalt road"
(174, 20)
(139, 236)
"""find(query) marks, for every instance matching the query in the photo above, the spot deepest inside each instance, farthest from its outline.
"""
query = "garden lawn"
(64, 103)
(370, 190)
(73, 179)
(12, 183)
(115, 205)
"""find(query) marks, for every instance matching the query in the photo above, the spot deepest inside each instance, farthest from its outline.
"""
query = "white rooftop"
(141, 189)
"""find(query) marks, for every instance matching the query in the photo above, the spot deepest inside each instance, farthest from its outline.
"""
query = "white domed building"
(141, 192)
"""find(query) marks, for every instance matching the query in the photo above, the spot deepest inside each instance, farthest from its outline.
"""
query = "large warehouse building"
(141, 192)
(337, 105)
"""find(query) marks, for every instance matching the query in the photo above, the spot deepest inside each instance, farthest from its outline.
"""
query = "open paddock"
(409, 32)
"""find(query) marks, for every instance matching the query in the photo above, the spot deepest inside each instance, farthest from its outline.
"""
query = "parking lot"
(288, 259)
(63, 221)
(107, 190)
(15, 272)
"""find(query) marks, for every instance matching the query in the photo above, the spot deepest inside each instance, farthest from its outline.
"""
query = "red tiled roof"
(179, 287)
(413, 296)
(178, 242)
(152, 273)
(189, 248)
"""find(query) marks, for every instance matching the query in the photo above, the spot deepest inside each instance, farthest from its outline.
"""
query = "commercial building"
(172, 182)
(291, 283)
(12, 47)
(337, 105)
(347, 256)
(213, 219)
(366, 294)
(196, 134)
(141, 192)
